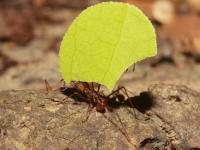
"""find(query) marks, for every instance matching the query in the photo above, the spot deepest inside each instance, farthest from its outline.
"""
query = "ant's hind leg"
(89, 111)
(121, 128)
(90, 105)
(125, 91)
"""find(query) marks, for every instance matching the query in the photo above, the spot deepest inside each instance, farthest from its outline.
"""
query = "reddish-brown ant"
(92, 94)
(96, 98)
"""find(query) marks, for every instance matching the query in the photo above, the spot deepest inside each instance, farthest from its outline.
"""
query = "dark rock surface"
(165, 117)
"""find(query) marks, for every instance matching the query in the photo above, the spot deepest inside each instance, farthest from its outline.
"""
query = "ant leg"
(123, 132)
(113, 92)
(47, 86)
(117, 91)
(89, 111)
(93, 86)
(131, 104)
(125, 91)
(90, 108)
(133, 68)
(93, 90)
(124, 129)
(98, 88)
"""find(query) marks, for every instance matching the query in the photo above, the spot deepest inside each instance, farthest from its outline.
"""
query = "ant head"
(101, 107)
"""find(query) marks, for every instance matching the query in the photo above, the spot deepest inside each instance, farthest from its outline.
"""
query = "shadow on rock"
(142, 103)
(74, 94)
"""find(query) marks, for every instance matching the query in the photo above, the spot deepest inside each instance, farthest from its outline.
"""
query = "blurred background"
(31, 32)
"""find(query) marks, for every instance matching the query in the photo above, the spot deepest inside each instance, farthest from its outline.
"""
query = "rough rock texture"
(165, 117)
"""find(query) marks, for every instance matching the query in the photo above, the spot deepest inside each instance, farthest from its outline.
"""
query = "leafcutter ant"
(92, 94)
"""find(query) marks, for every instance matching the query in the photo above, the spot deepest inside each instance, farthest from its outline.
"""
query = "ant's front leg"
(130, 103)
(117, 92)
(47, 86)
(125, 92)
(113, 92)
(89, 111)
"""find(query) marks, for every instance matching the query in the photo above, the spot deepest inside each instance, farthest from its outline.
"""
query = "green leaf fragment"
(103, 41)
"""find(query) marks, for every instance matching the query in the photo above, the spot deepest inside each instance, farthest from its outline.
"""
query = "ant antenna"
(47, 86)
(98, 87)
